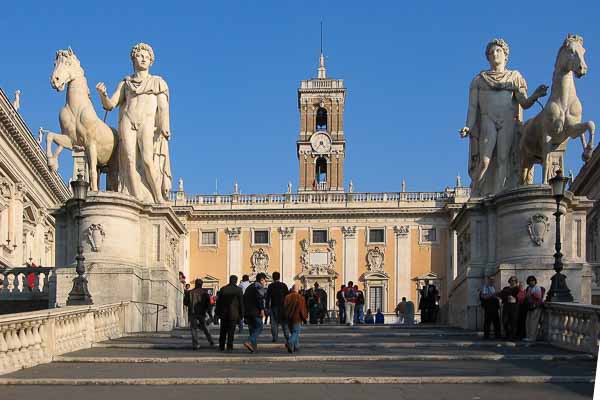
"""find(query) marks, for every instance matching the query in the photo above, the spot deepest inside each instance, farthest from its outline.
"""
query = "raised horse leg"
(579, 130)
(63, 141)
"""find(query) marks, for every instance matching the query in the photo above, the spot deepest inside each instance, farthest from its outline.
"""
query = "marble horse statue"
(560, 119)
(81, 128)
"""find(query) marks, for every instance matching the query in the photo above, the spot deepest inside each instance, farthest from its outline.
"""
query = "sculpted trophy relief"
(496, 99)
(144, 131)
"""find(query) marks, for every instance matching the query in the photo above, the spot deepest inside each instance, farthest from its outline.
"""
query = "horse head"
(66, 68)
(571, 57)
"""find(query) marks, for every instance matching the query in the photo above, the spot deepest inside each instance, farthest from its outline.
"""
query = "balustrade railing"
(24, 282)
(32, 338)
(319, 197)
(572, 326)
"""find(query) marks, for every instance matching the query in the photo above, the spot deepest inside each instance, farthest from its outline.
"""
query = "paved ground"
(405, 363)
(293, 392)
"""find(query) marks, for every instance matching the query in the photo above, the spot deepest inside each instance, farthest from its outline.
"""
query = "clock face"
(320, 143)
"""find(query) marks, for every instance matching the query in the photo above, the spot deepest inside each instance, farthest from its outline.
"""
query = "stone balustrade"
(572, 326)
(29, 339)
(301, 200)
(24, 282)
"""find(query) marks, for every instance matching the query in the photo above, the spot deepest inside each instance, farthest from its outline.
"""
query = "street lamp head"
(558, 184)
(79, 188)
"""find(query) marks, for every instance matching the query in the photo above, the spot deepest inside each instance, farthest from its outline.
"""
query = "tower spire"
(322, 71)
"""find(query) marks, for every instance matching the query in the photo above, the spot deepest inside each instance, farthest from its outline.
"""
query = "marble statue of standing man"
(143, 101)
(494, 115)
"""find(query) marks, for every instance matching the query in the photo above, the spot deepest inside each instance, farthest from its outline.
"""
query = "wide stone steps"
(329, 355)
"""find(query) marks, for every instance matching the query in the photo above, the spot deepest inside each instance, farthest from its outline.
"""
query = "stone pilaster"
(288, 255)
(402, 262)
(350, 254)
(234, 251)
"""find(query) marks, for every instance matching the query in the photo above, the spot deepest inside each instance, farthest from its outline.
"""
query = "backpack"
(350, 294)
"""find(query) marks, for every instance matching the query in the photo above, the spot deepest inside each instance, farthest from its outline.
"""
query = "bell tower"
(321, 143)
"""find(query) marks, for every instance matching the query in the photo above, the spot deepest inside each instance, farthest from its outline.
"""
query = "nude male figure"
(144, 109)
(495, 100)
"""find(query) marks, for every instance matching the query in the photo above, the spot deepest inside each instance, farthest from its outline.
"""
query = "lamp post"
(80, 294)
(559, 292)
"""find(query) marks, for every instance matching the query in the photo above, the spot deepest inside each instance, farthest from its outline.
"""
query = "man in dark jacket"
(341, 303)
(197, 301)
(229, 309)
(276, 292)
(254, 309)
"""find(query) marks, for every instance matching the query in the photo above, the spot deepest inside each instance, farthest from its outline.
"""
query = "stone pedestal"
(132, 253)
(513, 233)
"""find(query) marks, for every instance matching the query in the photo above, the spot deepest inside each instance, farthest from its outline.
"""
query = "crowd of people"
(521, 309)
(515, 310)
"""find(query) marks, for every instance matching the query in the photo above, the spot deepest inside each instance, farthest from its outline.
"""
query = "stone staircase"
(349, 362)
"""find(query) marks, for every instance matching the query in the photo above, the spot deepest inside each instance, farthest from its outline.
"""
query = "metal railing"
(159, 308)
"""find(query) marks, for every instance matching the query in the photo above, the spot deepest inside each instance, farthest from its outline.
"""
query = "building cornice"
(29, 150)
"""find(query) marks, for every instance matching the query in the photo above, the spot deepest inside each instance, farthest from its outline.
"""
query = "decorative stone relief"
(375, 260)
(402, 230)
(95, 236)
(331, 255)
(172, 257)
(286, 232)
(233, 233)
(304, 254)
(464, 249)
(349, 231)
(259, 261)
(537, 227)
(318, 262)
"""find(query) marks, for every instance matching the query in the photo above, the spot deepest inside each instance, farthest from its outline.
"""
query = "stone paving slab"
(303, 392)
(434, 369)
(275, 349)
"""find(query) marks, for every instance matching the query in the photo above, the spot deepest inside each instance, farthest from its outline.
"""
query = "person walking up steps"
(254, 310)
(197, 301)
(229, 309)
(244, 285)
(294, 309)
(276, 293)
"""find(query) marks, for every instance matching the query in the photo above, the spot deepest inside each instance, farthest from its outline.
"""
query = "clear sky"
(233, 69)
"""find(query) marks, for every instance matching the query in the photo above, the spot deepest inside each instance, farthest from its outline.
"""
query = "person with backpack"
(350, 303)
(534, 300)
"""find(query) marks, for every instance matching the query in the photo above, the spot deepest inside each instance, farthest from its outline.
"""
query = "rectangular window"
(377, 235)
(429, 235)
(261, 237)
(376, 298)
(319, 236)
(209, 238)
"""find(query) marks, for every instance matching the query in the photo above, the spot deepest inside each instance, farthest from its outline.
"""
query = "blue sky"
(233, 69)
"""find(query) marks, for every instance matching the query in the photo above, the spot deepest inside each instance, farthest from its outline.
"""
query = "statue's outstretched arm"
(527, 102)
(108, 103)
(163, 115)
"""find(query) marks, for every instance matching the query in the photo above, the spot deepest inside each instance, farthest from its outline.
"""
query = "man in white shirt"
(491, 306)
(244, 285)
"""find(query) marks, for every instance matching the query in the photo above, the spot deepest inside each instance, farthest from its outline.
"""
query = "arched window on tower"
(321, 173)
(321, 119)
